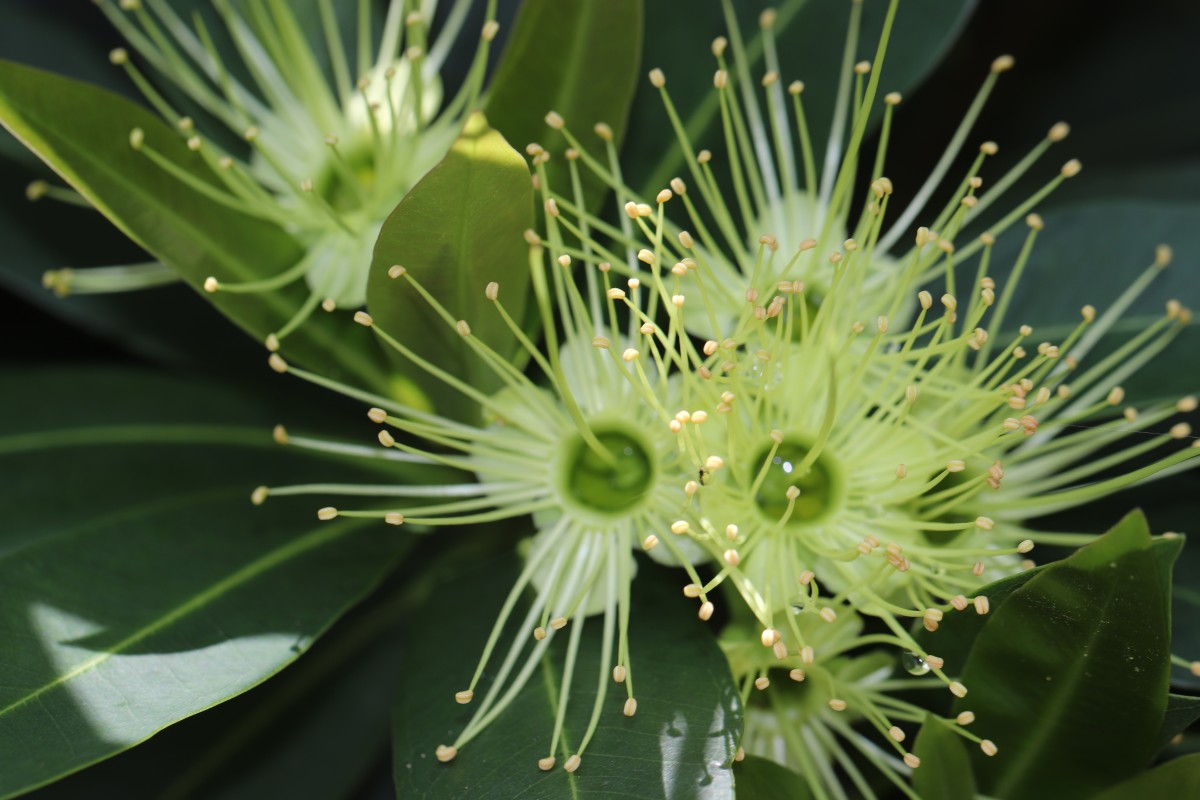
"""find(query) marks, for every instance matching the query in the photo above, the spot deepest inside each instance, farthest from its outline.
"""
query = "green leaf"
(459, 228)
(945, 771)
(315, 730)
(956, 633)
(762, 779)
(1182, 711)
(579, 59)
(82, 132)
(1171, 781)
(1069, 676)
(138, 586)
(680, 743)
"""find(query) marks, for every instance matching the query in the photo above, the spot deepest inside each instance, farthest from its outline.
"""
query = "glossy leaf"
(762, 779)
(1173, 780)
(1069, 676)
(315, 730)
(956, 634)
(945, 771)
(680, 744)
(579, 59)
(138, 586)
(459, 228)
(82, 132)
(957, 631)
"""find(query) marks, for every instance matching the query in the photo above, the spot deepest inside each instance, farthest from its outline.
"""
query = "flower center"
(613, 484)
(819, 484)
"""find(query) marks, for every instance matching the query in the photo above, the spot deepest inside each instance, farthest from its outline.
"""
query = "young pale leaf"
(945, 771)
(460, 228)
(138, 585)
(680, 743)
(1172, 781)
(578, 59)
(1069, 676)
(83, 133)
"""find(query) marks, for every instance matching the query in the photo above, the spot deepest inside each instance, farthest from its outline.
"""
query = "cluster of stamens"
(326, 158)
(829, 431)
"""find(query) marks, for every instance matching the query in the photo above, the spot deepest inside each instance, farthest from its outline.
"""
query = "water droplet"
(913, 664)
(796, 604)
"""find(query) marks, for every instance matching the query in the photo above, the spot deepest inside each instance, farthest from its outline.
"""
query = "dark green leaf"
(315, 730)
(762, 779)
(1172, 781)
(579, 59)
(679, 745)
(82, 132)
(458, 229)
(1182, 711)
(138, 585)
(945, 771)
(1069, 676)
(956, 634)
(166, 324)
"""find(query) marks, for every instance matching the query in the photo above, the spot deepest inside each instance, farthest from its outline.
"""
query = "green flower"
(868, 453)
(579, 452)
(327, 157)
(746, 374)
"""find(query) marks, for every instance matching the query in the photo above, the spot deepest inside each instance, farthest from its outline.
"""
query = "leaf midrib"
(1035, 741)
(297, 547)
(136, 433)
